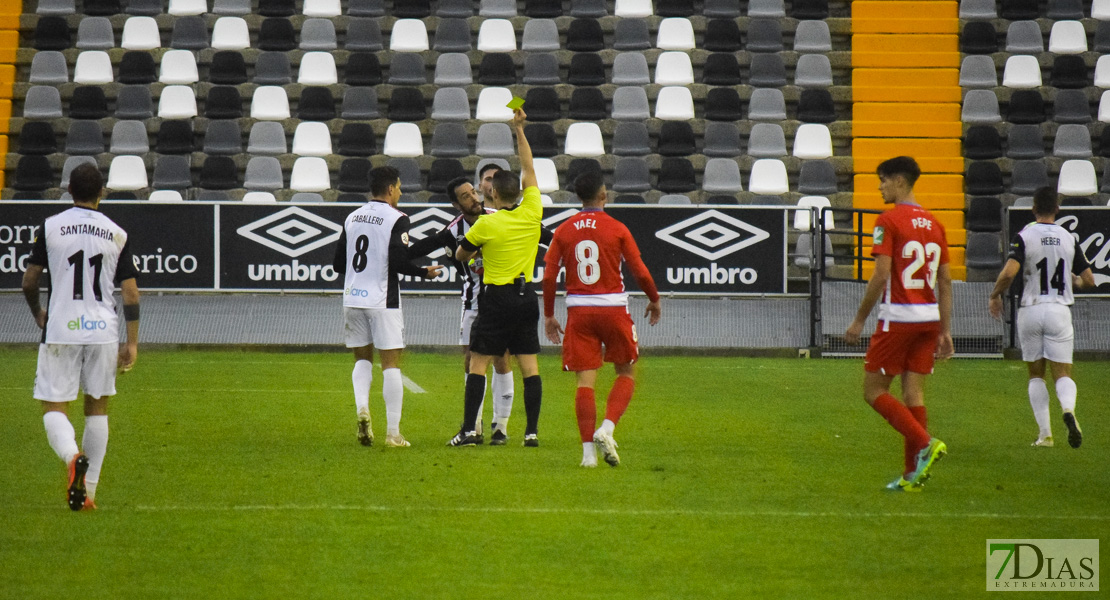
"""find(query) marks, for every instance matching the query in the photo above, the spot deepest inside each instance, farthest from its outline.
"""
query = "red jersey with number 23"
(916, 243)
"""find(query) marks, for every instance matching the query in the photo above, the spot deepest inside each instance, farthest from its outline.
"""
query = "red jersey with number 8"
(915, 241)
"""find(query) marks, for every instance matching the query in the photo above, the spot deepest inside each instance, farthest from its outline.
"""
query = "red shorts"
(588, 328)
(910, 349)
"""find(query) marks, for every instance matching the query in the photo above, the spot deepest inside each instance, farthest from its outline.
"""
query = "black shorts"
(508, 319)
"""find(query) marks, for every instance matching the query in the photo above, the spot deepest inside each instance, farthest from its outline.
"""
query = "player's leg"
(57, 380)
(466, 324)
(921, 354)
(1038, 400)
(502, 398)
(913, 396)
(387, 327)
(1059, 340)
(618, 334)
(357, 337)
(585, 409)
(98, 379)
(886, 358)
(473, 395)
(523, 342)
(533, 396)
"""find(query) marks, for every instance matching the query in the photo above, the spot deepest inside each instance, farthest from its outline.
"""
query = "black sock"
(475, 390)
(533, 395)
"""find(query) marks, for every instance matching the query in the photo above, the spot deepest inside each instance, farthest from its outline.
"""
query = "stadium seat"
(1072, 141)
(410, 174)
(1100, 9)
(542, 9)
(983, 178)
(318, 68)
(310, 174)
(177, 102)
(812, 36)
(269, 103)
(674, 33)
(576, 167)
(766, 8)
(442, 172)
(722, 175)
(764, 35)
(631, 139)
(1104, 107)
(263, 173)
(979, 37)
(165, 195)
(721, 68)
(405, 68)
(495, 139)
(547, 177)
(768, 176)
(44, 102)
(585, 35)
(220, 137)
(257, 197)
(219, 173)
(318, 35)
(721, 9)
(721, 140)
(235, 8)
(37, 137)
(813, 140)
(276, 34)
(977, 71)
(71, 163)
(403, 140)
(230, 33)
(541, 137)
(102, 7)
(813, 70)
(453, 69)
(452, 35)
(817, 177)
(586, 69)
(767, 140)
(674, 68)
(1025, 107)
(631, 9)
(584, 140)
(95, 33)
(498, 9)
(1028, 176)
(450, 104)
(982, 142)
(674, 103)
(140, 33)
(674, 8)
(1064, 9)
(178, 67)
(723, 104)
(83, 137)
(767, 70)
(267, 137)
(496, 35)
(722, 35)
(181, 8)
(1102, 72)
(407, 104)
(450, 140)
(978, 9)
(629, 199)
(1015, 10)
(675, 200)
(984, 213)
(93, 67)
(984, 250)
(1067, 37)
(136, 66)
(631, 175)
(365, 35)
(980, 106)
(631, 34)
(803, 248)
(1024, 37)
(357, 139)
(127, 173)
(543, 104)
(312, 138)
(408, 35)
(129, 137)
(725, 199)
(803, 217)
(362, 69)
(540, 35)
(360, 103)
(321, 8)
(1070, 106)
(1022, 72)
(630, 68)
(676, 138)
(541, 69)
(676, 175)
(454, 9)
(55, 7)
(1069, 71)
(412, 9)
(272, 68)
(492, 103)
(630, 103)
(587, 104)
(766, 105)
(306, 197)
(496, 68)
(1023, 142)
(223, 102)
(52, 33)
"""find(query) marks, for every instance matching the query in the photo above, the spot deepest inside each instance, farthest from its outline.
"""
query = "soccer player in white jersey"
(1052, 264)
(372, 253)
(86, 255)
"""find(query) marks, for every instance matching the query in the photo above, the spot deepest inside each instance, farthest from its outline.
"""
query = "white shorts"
(384, 328)
(65, 368)
(465, 324)
(1045, 331)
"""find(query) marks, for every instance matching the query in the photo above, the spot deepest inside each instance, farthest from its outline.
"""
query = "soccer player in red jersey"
(914, 284)
(591, 246)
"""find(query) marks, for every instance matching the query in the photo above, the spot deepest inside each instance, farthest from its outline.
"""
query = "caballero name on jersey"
(367, 219)
(86, 229)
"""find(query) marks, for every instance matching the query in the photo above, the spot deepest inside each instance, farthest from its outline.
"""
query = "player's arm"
(129, 352)
(871, 295)
(31, 293)
(472, 241)
(431, 243)
(545, 236)
(552, 265)
(640, 272)
(1081, 267)
(339, 261)
(945, 348)
(400, 261)
(1005, 279)
(524, 151)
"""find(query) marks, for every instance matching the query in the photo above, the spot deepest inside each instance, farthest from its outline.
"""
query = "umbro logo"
(712, 234)
(293, 231)
(428, 222)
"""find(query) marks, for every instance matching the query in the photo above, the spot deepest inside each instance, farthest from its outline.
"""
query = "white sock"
(361, 377)
(95, 443)
(394, 393)
(60, 434)
(1038, 399)
(607, 426)
(589, 451)
(1065, 393)
(502, 398)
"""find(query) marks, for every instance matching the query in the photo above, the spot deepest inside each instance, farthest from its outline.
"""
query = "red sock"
(918, 413)
(901, 419)
(619, 397)
(586, 409)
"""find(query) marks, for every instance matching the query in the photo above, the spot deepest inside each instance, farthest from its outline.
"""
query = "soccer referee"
(508, 310)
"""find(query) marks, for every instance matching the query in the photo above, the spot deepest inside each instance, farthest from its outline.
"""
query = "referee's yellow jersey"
(509, 239)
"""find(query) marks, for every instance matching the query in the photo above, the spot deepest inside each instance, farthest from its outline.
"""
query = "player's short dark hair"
(85, 183)
(381, 178)
(453, 185)
(1046, 202)
(487, 167)
(905, 166)
(588, 185)
(507, 185)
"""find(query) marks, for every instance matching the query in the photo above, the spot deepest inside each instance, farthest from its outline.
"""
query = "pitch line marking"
(611, 512)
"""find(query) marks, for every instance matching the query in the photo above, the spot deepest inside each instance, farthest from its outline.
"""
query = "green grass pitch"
(237, 475)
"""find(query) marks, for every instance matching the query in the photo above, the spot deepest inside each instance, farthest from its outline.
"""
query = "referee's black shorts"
(508, 319)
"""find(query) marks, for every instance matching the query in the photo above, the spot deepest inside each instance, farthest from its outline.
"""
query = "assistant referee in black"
(508, 308)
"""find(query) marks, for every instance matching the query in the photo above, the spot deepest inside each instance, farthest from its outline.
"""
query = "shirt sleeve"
(1017, 249)
(399, 261)
(38, 250)
(640, 272)
(339, 262)
(545, 236)
(477, 235)
(943, 244)
(1080, 263)
(881, 237)
(125, 265)
(431, 243)
(533, 203)
(553, 263)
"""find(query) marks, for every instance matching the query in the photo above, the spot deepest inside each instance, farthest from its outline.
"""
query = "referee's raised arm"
(527, 169)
